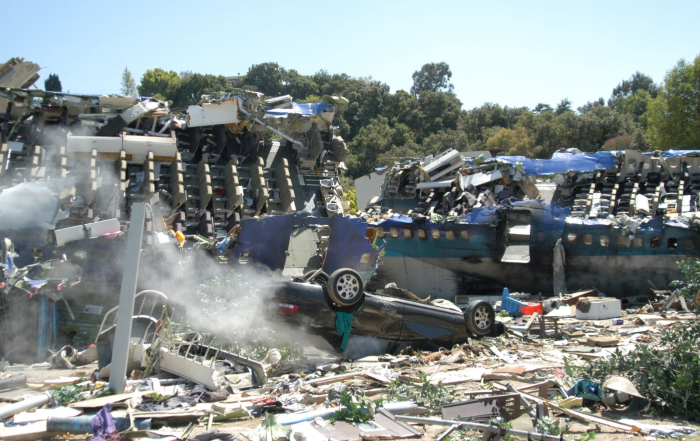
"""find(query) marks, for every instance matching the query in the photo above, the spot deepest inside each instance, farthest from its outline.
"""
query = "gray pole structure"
(122, 334)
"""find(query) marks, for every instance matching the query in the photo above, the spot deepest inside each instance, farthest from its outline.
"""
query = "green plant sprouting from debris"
(66, 394)
(428, 395)
(505, 425)
(689, 286)
(550, 427)
(585, 436)
(354, 408)
(668, 374)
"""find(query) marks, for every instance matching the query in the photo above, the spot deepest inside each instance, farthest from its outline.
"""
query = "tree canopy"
(638, 81)
(381, 126)
(128, 83)
(674, 116)
(53, 84)
(158, 81)
(184, 89)
(432, 77)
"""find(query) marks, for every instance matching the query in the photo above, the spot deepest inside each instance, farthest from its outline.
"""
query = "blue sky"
(513, 53)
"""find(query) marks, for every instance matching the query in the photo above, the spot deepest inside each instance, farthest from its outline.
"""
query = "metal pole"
(29, 403)
(122, 334)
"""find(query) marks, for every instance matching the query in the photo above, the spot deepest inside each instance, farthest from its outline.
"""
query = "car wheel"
(345, 287)
(479, 318)
(320, 279)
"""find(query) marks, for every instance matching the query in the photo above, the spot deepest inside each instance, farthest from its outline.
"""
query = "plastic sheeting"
(303, 109)
(561, 163)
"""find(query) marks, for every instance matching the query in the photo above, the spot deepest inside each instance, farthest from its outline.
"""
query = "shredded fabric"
(343, 324)
(103, 428)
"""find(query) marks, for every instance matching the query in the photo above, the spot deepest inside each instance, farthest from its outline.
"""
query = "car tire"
(345, 287)
(320, 279)
(479, 318)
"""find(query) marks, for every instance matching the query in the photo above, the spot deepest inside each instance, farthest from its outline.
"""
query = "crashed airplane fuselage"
(623, 220)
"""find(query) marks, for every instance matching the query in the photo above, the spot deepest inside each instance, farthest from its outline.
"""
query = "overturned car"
(322, 308)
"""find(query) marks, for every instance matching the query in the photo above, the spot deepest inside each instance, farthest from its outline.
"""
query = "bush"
(689, 286)
(667, 374)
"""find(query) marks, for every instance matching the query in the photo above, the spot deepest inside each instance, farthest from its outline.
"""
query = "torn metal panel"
(367, 187)
(209, 114)
(349, 247)
(86, 231)
(263, 241)
(18, 73)
(266, 241)
(478, 179)
(136, 147)
(442, 165)
(189, 368)
(115, 125)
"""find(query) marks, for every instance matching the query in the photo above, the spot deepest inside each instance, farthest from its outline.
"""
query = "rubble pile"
(531, 382)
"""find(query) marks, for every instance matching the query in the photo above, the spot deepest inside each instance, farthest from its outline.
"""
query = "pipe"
(13, 381)
(530, 409)
(29, 403)
(286, 420)
(83, 424)
(483, 427)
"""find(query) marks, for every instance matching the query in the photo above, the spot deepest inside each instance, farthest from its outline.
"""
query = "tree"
(438, 111)
(591, 105)
(158, 81)
(373, 139)
(563, 106)
(623, 142)
(432, 77)
(674, 116)
(53, 84)
(367, 102)
(128, 83)
(638, 81)
(300, 87)
(543, 108)
(190, 89)
(635, 105)
(513, 142)
(268, 78)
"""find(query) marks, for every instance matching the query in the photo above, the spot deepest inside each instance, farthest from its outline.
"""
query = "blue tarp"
(303, 109)
(561, 163)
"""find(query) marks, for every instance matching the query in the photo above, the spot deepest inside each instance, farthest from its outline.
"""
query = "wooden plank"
(530, 321)
(378, 378)
(334, 379)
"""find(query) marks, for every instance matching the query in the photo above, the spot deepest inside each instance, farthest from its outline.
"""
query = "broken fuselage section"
(465, 225)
